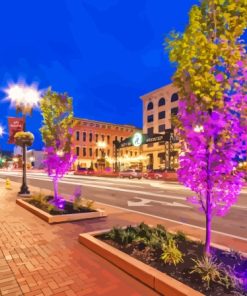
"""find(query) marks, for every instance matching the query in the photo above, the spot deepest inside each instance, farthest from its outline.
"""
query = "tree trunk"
(55, 186)
(208, 227)
(208, 211)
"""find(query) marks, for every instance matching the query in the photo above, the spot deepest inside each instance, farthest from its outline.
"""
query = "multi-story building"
(158, 108)
(93, 144)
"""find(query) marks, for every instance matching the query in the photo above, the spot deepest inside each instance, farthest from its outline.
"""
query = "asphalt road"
(165, 200)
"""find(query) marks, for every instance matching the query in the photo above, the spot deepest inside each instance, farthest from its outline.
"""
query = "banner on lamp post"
(15, 124)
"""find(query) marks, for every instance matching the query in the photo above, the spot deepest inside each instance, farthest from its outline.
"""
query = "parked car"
(85, 171)
(155, 174)
(131, 174)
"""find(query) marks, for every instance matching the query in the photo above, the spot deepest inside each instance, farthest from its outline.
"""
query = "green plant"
(171, 254)
(24, 138)
(51, 207)
(40, 197)
(89, 204)
(77, 203)
(181, 236)
(122, 236)
(208, 269)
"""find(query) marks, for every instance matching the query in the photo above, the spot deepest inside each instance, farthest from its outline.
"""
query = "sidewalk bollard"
(8, 184)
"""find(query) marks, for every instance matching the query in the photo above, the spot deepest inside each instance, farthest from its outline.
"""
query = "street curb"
(52, 219)
(158, 281)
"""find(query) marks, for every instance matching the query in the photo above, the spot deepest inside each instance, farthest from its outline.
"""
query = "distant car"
(155, 174)
(85, 171)
(131, 174)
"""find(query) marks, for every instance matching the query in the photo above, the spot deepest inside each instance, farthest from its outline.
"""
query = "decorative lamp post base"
(24, 191)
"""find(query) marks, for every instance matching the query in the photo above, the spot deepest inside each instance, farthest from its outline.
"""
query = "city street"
(165, 200)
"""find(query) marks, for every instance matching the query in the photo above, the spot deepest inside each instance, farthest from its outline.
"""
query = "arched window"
(162, 102)
(150, 106)
(174, 97)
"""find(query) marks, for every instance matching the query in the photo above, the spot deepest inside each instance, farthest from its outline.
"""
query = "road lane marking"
(143, 202)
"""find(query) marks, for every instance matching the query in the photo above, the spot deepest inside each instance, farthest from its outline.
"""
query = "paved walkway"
(39, 259)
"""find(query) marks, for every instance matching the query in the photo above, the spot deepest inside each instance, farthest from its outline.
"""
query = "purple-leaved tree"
(57, 112)
(211, 77)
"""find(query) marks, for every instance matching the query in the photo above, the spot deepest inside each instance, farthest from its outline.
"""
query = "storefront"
(168, 158)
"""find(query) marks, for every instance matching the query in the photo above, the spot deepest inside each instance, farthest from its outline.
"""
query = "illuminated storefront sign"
(137, 139)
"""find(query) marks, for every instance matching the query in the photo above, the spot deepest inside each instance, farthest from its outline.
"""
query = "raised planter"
(149, 276)
(51, 219)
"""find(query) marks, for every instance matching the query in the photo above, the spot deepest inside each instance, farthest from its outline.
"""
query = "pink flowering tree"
(57, 129)
(211, 77)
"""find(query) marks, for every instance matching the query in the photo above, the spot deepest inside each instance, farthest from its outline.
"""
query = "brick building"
(158, 107)
(93, 144)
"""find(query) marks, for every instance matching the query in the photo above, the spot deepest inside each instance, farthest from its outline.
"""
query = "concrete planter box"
(158, 281)
(51, 219)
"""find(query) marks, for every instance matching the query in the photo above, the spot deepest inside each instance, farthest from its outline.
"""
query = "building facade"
(158, 107)
(93, 144)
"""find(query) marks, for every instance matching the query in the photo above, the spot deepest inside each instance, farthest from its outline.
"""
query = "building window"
(84, 136)
(90, 152)
(174, 97)
(108, 152)
(131, 153)
(84, 151)
(150, 118)
(102, 138)
(77, 136)
(121, 139)
(174, 111)
(108, 139)
(96, 138)
(150, 131)
(97, 152)
(135, 153)
(162, 128)
(77, 151)
(162, 114)
(162, 102)
(90, 137)
(150, 106)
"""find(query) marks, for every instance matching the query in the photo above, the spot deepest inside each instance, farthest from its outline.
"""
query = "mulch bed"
(68, 208)
(181, 272)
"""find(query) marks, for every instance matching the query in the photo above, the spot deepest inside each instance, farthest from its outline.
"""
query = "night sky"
(104, 53)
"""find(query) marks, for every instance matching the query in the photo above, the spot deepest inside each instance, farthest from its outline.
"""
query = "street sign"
(139, 139)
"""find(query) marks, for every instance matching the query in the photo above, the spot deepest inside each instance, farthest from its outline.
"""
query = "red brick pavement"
(39, 259)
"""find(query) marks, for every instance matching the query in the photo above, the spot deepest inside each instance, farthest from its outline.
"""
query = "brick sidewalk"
(39, 259)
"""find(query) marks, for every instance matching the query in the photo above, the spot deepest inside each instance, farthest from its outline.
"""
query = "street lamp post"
(24, 98)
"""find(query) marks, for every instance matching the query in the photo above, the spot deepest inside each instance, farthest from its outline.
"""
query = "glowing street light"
(101, 144)
(24, 98)
(1, 131)
(198, 128)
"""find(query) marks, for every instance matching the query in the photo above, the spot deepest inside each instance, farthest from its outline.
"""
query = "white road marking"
(143, 202)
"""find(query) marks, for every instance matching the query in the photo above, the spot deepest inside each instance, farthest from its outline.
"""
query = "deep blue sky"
(104, 53)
